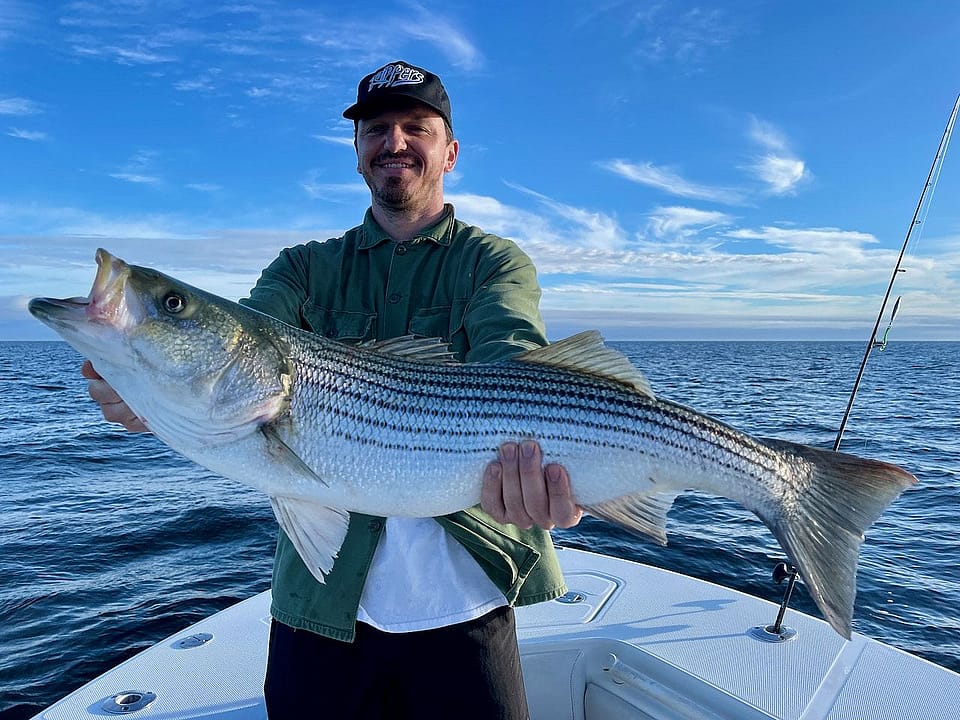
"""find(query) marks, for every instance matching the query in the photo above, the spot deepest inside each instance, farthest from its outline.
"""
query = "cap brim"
(396, 101)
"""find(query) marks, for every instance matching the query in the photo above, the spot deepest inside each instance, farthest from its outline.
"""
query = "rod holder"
(778, 632)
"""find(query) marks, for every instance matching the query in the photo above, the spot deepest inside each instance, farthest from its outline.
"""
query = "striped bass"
(398, 429)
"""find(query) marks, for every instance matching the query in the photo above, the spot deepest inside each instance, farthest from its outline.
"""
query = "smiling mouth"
(392, 163)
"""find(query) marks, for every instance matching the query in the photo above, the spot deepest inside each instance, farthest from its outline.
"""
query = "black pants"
(467, 671)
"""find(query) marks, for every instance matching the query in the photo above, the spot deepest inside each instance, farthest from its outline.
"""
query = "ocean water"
(110, 542)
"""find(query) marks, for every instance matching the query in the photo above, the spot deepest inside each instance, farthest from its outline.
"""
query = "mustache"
(386, 157)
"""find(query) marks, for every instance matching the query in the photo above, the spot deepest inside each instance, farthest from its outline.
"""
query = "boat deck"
(629, 642)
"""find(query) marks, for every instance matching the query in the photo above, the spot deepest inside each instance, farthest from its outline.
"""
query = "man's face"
(403, 154)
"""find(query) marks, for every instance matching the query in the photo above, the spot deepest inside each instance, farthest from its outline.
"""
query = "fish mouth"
(104, 305)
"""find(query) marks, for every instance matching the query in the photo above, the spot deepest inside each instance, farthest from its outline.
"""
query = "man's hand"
(112, 406)
(518, 489)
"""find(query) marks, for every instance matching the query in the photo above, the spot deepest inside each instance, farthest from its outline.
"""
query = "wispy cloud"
(303, 53)
(686, 272)
(15, 19)
(686, 37)
(689, 268)
(682, 222)
(34, 135)
(777, 167)
(670, 181)
(332, 192)
(432, 27)
(335, 139)
(833, 241)
(204, 187)
(18, 106)
(139, 169)
(135, 178)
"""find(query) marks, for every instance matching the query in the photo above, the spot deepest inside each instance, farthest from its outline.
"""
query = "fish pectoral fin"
(644, 514)
(316, 531)
(279, 450)
(586, 353)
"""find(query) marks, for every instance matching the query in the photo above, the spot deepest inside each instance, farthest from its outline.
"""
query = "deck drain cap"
(128, 701)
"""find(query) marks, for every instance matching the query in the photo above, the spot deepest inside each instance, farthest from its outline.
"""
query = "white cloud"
(34, 135)
(780, 174)
(827, 241)
(452, 41)
(138, 169)
(15, 19)
(662, 34)
(335, 139)
(686, 272)
(135, 178)
(776, 167)
(332, 192)
(18, 106)
(681, 222)
(668, 180)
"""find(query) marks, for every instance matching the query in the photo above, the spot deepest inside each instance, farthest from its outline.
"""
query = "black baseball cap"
(395, 83)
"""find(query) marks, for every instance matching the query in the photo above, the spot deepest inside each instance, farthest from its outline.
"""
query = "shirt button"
(401, 249)
(394, 298)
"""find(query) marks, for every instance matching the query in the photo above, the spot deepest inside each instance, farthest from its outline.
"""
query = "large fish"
(398, 429)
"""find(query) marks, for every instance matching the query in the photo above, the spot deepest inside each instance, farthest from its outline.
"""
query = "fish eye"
(174, 303)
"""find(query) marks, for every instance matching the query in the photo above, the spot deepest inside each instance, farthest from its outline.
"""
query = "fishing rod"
(928, 189)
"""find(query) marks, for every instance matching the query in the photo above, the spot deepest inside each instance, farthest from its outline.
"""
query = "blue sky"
(724, 170)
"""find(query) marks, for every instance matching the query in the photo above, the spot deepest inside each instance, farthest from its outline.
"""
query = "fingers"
(517, 489)
(491, 493)
(112, 406)
(564, 511)
(531, 502)
(88, 372)
(502, 492)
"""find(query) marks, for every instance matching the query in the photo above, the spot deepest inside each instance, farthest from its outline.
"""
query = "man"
(415, 618)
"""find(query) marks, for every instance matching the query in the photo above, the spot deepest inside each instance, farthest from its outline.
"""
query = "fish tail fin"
(823, 528)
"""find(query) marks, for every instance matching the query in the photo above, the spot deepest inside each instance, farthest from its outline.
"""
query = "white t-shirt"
(422, 578)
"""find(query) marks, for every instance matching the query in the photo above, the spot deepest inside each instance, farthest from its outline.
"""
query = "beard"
(392, 194)
(397, 194)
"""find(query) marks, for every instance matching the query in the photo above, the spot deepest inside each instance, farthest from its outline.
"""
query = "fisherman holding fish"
(415, 618)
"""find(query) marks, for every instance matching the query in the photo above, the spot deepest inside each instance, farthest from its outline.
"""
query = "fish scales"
(396, 428)
(380, 402)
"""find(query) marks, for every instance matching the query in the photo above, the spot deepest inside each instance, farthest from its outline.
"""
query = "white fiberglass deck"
(637, 643)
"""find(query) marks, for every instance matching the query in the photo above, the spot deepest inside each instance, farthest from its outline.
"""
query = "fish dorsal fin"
(411, 347)
(586, 353)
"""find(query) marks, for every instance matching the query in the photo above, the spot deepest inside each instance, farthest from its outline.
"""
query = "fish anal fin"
(823, 529)
(586, 353)
(316, 531)
(644, 514)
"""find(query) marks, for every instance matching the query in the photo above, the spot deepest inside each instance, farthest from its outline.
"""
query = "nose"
(395, 141)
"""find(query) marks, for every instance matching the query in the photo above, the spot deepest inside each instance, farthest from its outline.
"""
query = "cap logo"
(395, 75)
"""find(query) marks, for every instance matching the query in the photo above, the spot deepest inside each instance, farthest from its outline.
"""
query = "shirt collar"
(441, 232)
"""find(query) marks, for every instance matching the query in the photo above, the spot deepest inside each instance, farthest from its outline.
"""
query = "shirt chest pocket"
(444, 321)
(347, 326)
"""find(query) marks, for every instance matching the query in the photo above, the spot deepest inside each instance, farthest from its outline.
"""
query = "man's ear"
(453, 152)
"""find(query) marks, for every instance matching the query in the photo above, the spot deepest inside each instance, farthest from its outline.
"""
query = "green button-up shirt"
(479, 293)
